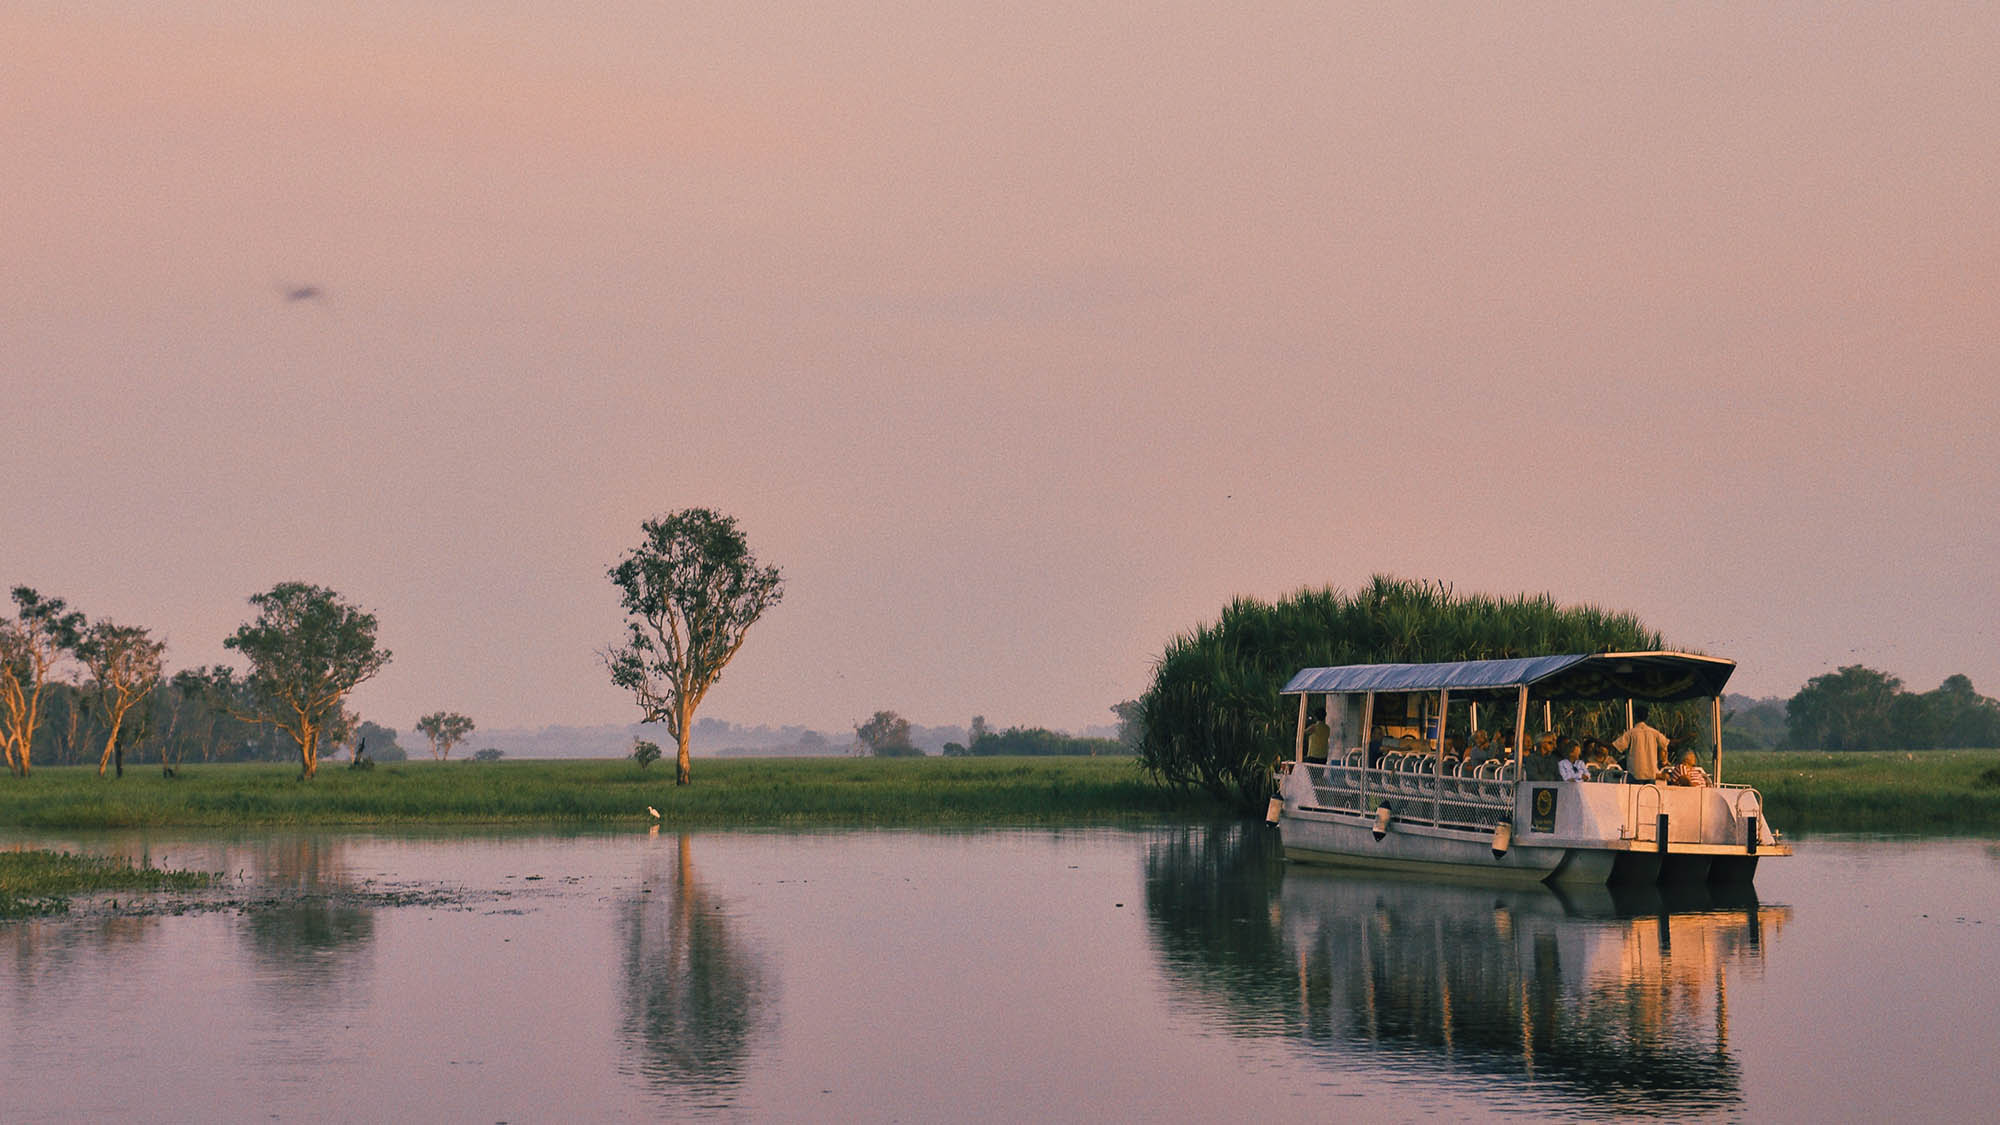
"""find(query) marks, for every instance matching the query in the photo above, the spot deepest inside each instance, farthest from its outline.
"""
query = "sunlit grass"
(761, 792)
(34, 882)
(1925, 791)
(1804, 791)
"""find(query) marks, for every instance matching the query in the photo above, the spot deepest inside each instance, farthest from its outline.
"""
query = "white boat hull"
(1573, 833)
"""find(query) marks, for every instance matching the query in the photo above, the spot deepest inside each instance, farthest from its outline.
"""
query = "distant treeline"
(1861, 708)
(1034, 742)
(192, 716)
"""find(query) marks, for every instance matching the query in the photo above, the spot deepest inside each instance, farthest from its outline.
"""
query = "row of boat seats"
(1424, 766)
(1427, 765)
(1421, 765)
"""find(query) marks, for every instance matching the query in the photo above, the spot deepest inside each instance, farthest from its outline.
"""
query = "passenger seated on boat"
(1597, 756)
(1541, 765)
(1317, 734)
(1571, 767)
(1688, 772)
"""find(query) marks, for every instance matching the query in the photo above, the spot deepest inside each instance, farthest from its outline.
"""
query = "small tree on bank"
(887, 735)
(32, 643)
(124, 663)
(307, 649)
(691, 590)
(445, 729)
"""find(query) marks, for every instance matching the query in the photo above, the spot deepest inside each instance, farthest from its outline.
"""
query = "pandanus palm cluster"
(1212, 717)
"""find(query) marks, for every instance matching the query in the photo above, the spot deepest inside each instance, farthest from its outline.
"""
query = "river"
(1179, 973)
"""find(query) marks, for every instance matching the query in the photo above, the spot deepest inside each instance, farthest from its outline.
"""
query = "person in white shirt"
(1572, 767)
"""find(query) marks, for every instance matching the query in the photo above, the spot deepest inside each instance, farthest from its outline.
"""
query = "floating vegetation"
(35, 882)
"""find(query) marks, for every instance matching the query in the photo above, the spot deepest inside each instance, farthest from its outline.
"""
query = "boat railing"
(1748, 805)
(1416, 788)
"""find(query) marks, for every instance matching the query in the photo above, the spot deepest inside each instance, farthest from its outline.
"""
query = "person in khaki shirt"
(1645, 749)
(1317, 735)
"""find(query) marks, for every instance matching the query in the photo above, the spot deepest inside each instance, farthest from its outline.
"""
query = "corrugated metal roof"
(1661, 677)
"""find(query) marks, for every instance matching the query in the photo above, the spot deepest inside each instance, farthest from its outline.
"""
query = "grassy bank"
(1804, 792)
(1934, 791)
(40, 882)
(725, 793)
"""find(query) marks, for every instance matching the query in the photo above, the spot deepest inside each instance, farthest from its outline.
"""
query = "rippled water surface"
(1176, 974)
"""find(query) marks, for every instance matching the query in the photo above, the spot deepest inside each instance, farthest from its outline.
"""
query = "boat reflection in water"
(1617, 998)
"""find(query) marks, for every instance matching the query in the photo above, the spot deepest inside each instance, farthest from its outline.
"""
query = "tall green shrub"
(1213, 719)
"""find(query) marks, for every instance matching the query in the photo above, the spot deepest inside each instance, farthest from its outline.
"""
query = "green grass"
(1926, 791)
(797, 792)
(1936, 791)
(36, 882)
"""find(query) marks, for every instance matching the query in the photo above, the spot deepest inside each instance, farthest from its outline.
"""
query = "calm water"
(1180, 974)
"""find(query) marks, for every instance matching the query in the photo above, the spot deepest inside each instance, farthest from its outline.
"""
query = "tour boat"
(1387, 797)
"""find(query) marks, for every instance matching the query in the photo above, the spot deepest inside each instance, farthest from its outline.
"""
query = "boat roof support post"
(1520, 730)
(1367, 743)
(1299, 739)
(1437, 794)
(1715, 721)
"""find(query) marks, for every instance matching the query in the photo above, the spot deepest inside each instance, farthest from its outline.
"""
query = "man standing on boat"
(1317, 735)
(1644, 749)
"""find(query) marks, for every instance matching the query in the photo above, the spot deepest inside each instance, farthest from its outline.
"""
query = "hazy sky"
(1020, 335)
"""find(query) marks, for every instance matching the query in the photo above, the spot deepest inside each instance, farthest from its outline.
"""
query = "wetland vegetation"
(1920, 792)
(793, 792)
(35, 881)
(1934, 791)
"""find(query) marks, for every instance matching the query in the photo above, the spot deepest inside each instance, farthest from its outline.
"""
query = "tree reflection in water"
(1617, 999)
(308, 936)
(695, 998)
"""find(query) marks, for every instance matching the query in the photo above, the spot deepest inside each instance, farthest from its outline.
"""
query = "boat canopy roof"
(1658, 677)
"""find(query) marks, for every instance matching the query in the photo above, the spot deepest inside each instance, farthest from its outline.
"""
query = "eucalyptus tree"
(33, 643)
(124, 665)
(887, 735)
(445, 729)
(691, 590)
(307, 649)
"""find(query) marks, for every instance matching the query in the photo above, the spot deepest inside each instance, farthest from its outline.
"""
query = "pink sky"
(1021, 336)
